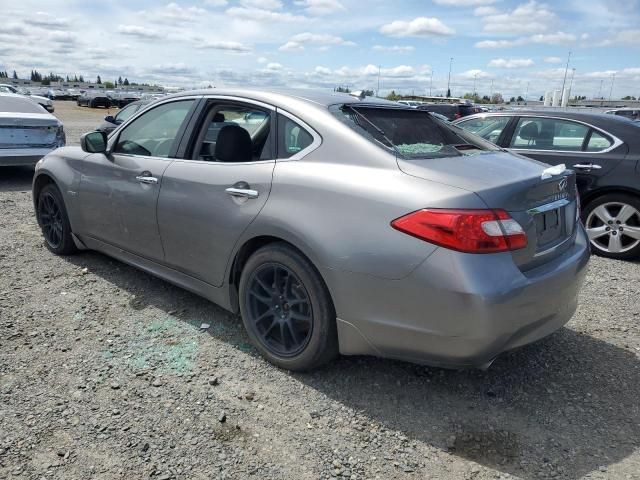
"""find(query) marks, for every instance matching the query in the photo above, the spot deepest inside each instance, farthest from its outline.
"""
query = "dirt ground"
(109, 373)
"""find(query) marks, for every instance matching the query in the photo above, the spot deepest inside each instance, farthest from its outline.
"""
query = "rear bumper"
(458, 310)
(22, 156)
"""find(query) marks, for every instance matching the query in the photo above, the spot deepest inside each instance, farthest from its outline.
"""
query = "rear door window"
(534, 133)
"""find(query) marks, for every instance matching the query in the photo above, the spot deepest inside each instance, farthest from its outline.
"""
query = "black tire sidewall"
(67, 245)
(619, 198)
(322, 345)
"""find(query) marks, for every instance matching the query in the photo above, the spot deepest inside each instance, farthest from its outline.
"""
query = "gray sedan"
(331, 223)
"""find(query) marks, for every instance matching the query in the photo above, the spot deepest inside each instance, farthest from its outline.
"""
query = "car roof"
(280, 96)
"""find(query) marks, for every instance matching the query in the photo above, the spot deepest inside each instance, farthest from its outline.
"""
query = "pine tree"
(98, 80)
(119, 80)
(15, 75)
(126, 82)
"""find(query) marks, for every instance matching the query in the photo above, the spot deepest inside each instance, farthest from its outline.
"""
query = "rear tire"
(54, 221)
(612, 222)
(287, 310)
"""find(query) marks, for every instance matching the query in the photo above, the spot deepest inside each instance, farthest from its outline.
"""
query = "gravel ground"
(109, 373)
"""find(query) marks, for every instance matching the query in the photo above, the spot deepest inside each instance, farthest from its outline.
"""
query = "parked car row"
(46, 103)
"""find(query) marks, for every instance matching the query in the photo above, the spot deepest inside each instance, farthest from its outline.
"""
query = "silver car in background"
(27, 131)
(45, 102)
(331, 223)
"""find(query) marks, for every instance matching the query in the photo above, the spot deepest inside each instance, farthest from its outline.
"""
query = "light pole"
(613, 79)
(600, 91)
(378, 90)
(573, 73)
(475, 77)
(431, 83)
(565, 73)
(449, 80)
(526, 94)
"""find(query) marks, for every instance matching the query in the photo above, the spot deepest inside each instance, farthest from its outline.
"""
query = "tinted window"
(549, 134)
(246, 134)
(126, 113)
(410, 133)
(292, 138)
(154, 133)
(598, 142)
(488, 128)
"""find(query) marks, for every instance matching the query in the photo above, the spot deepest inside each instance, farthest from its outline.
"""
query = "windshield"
(410, 133)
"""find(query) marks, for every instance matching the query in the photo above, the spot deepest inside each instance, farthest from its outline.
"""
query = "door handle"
(242, 192)
(587, 166)
(147, 180)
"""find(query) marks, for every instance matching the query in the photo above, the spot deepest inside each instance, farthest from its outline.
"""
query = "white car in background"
(27, 131)
(46, 103)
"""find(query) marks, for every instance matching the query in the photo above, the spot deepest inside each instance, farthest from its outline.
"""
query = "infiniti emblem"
(562, 185)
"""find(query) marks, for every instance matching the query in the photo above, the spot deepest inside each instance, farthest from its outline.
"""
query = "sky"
(514, 47)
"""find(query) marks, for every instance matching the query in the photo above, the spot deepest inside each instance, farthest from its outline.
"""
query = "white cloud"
(464, 3)
(484, 11)
(418, 27)
(552, 60)
(261, 15)
(474, 73)
(623, 37)
(274, 67)
(321, 7)
(43, 19)
(322, 70)
(263, 4)
(172, 13)
(172, 69)
(394, 48)
(139, 32)
(216, 3)
(510, 63)
(297, 42)
(530, 17)
(263, 60)
(558, 38)
(228, 46)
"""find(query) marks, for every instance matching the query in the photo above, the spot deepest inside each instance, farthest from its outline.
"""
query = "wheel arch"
(248, 248)
(590, 196)
(39, 183)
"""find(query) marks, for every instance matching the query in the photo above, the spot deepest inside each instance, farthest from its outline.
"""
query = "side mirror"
(94, 142)
(110, 119)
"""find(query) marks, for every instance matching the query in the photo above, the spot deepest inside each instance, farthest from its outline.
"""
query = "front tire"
(54, 221)
(287, 310)
(612, 222)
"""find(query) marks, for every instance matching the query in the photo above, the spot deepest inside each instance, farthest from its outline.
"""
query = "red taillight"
(470, 231)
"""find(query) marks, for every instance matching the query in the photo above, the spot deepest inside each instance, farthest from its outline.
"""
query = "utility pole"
(378, 90)
(449, 80)
(475, 77)
(431, 84)
(600, 91)
(526, 93)
(565, 74)
(613, 79)
(573, 73)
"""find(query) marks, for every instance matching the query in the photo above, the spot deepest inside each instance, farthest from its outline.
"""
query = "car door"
(210, 197)
(591, 152)
(119, 190)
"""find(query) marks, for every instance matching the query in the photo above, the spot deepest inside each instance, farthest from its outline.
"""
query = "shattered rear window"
(410, 133)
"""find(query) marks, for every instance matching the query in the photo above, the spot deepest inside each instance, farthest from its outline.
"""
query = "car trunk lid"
(545, 208)
(28, 130)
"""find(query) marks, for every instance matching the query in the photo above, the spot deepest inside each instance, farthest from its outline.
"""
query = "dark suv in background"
(452, 111)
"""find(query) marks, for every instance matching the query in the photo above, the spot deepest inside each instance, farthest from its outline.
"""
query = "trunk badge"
(562, 185)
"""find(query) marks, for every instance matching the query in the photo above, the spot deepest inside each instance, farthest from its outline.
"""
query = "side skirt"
(217, 295)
